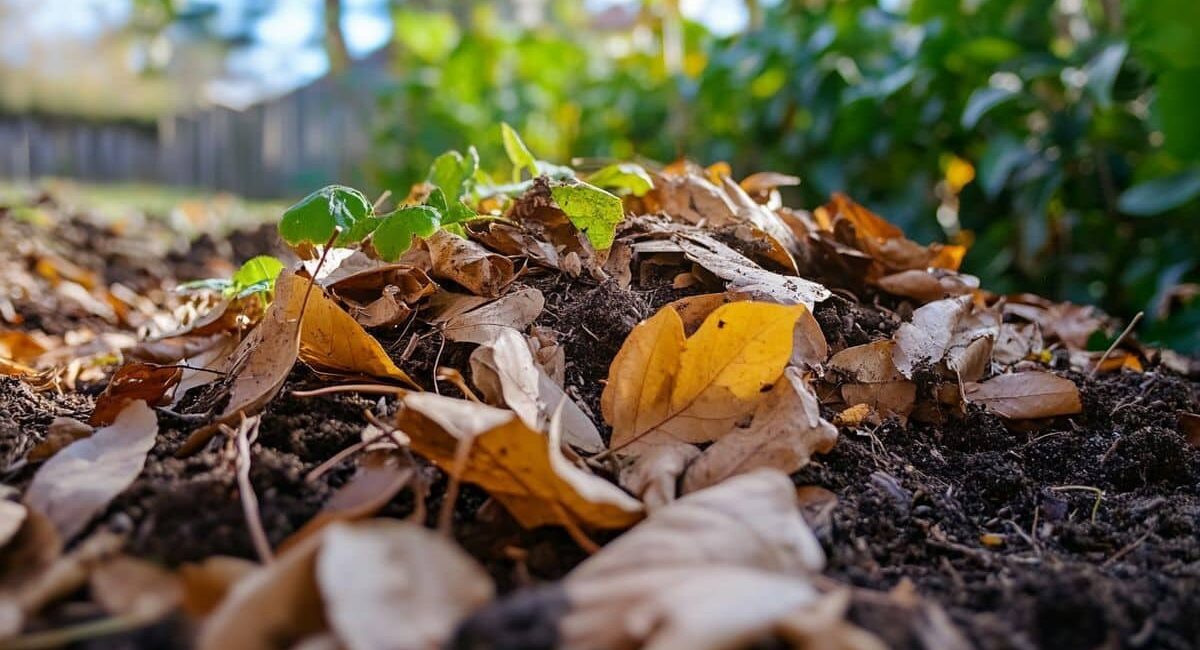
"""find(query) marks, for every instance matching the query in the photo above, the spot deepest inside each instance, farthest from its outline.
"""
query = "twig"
(337, 230)
(379, 201)
(446, 513)
(320, 470)
(1085, 488)
(436, 361)
(1127, 549)
(246, 490)
(1128, 328)
(184, 366)
(372, 389)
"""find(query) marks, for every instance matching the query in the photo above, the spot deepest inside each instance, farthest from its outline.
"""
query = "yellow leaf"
(332, 342)
(523, 469)
(664, 387)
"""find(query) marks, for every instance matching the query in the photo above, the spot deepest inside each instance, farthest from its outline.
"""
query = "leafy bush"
(1057, 136)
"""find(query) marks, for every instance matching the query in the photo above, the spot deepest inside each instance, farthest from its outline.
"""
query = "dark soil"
(1083, 532)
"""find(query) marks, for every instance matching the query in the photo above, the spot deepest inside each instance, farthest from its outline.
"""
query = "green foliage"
(595, 212)
(396, 231)
(314, 219)
(256, 276)
(518, 153)
(1060, 115)
(626, 177)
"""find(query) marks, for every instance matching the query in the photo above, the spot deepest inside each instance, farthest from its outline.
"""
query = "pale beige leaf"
(787, 429)
(505, 372)
(514, 311)
(134, 588)
(272, 607)
(1026, 395)
(78, 482)
(390, 584)
(522, 468)
(875, 381)
(652, 475)
(926, 339)
(12, 517)
(744, 276)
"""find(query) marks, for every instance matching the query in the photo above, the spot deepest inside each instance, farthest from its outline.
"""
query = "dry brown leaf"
(469, 264)
(133, 588)
(716, 569)
(61, 432)
(1026, 395)
(927, 285)
(969, 354)
(56, 579)
(652, 476)
(744, 276)
(205, 584)
(692, 199)
(766, 181)
(926, 339)
(12, 517)
(662, 386)
(380, 476)
(483, 323)
(272, 607)
(384, 295)
(263, 360)
(389, 584)
(78, 482)
(132, 382)
(523, 469)
(1072, 324)
(505, 372)
(765, 220)
(875, 380)
(787, 429)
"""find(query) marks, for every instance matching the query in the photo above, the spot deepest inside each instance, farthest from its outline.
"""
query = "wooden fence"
(313, 136)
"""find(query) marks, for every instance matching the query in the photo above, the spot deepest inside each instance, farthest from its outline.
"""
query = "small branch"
(246, 490)
(372, 389)
(446, 513)
(379, 201)
(1128, 328)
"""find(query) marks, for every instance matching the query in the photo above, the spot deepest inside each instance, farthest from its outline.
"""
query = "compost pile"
(625, 409)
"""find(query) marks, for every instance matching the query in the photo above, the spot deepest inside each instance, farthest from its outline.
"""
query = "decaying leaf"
(272, 607)
(133, 381)
(505, 372)
(874, 379)
(926, 339)
(205, 584)
(1026, 395)
(483, 323)
(662, 386)
(78, 482)
(12, 517)
(927, 285)
(467, 263)
(1072, 324)
(389, 584)
(133, 588)
(523, 469)
(787, 429)
(652, 475)
(744, 276)
(61, 432)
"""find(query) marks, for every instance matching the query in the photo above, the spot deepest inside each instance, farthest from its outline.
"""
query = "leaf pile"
(658, 447)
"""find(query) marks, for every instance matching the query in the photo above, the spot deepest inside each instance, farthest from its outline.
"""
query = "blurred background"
(1059, 137)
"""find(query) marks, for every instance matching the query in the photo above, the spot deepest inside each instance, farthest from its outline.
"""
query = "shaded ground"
(1080, 533)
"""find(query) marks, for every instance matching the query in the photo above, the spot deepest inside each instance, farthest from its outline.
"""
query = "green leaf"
(1164, 31)
(981, 102)
(594, 212)
(1003, 154)
(210, 284)
(313, 219)
(452, 172)
(396, 230)
(261, 270)
(623, 176)
(458, 212)
(1102, 72)
(1161, 194)
(518, 153)
(1176, 106)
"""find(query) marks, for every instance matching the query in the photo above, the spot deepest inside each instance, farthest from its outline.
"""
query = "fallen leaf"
(272, 607)
(61, 432)
(787, 429)
(55, 579)
(78, 482)
(133, 588)
(523, 469)
(652, 475)
(514, 311)
(205, 584)
(132, 382)
(1026, 395)
(927, 285)
(662, 386)
(875, 381)
(744, 276)
(809, 348)
(926, 339)
(390, 584)
(715, 569)
(766, 181)
(692, 199)
(505, 372)
(1069, 323)
(469, 264)
(12, 517)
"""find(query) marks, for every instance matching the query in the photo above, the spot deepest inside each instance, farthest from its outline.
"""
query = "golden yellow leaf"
(523, 469)
(662, 386)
